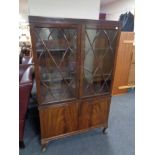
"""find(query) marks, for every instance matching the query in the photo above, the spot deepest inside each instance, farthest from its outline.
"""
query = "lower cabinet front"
(67, 118)
(58, 119)
(93, 112)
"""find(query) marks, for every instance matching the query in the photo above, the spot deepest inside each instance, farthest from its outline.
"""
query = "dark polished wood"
(36, 68)
(58, 119)
(73, 116)
(93, 112)
(74, 101)
(49, 20)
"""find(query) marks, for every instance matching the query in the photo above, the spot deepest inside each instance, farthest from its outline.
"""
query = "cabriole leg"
(104, 130)
(43, 147)
(21, 145)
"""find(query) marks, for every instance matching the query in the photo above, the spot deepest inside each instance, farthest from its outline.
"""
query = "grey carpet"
(120, 139)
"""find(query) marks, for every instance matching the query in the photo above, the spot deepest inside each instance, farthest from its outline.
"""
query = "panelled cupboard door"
(94, 112)
(98, 52)
(56, 51)
(58, 119)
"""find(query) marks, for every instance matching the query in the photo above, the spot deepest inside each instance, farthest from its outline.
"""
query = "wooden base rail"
(125, 87)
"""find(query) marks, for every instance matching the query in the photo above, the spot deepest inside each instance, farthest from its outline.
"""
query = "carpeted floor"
(120, 139)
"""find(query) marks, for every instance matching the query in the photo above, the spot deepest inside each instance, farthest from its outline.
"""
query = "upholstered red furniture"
(25, 87)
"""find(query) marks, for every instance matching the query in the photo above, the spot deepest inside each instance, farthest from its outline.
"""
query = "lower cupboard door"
(93, 113)
(58, 119)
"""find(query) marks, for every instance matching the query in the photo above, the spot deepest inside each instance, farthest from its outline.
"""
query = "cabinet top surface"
(39, 19)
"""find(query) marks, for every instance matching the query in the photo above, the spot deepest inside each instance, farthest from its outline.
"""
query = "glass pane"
(98, 61)
(56, 51)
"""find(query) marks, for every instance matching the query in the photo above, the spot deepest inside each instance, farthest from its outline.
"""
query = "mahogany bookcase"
(74, 63)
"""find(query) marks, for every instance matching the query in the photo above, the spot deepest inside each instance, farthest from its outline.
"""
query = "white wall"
(114, 9)
(84, 9)
(23, 11)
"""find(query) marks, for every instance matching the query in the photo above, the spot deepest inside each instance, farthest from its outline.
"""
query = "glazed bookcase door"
(98, 59)
(56, 53)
